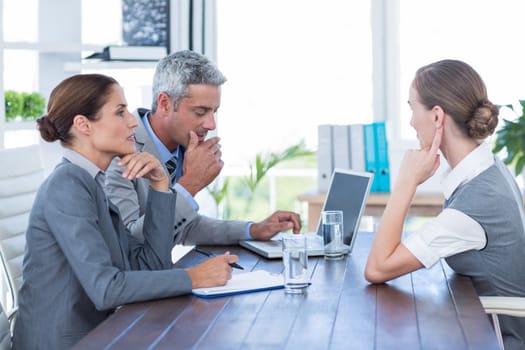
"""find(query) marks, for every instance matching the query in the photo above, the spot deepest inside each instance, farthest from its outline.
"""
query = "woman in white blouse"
(481, 231)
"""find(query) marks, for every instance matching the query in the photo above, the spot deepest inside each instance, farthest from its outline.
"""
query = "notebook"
(348, 191)
(244, 282)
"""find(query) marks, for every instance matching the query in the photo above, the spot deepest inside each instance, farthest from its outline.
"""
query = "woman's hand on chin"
(147, 166)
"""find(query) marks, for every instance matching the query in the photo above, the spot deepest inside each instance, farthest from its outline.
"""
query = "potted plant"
(258, 171)
(511, 137)
(13, 105)
(34, 105)
(20, 106)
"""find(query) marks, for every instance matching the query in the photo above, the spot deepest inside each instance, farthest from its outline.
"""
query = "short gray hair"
(176, 71)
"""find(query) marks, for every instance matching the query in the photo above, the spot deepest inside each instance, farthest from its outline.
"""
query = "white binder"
(325, 164)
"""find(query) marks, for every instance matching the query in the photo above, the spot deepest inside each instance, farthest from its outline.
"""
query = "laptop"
(348, 191)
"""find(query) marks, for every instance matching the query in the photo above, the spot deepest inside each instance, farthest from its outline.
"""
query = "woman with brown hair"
(481, 230)
(80, 261)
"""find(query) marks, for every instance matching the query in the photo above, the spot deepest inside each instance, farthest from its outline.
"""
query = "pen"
(211, 255)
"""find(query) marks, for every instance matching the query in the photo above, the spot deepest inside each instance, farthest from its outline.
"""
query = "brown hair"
(83, 94)
(459, 90)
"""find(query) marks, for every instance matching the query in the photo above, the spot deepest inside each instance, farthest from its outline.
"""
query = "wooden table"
(423, 204)
(428, 309)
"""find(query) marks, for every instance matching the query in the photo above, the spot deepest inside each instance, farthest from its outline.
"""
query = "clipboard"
(245, 282)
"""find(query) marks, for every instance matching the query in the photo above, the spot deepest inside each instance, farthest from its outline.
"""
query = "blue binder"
(382, 173)
(370, 154)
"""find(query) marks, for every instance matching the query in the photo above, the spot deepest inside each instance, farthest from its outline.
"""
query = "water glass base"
(295, 289)
(334, 256)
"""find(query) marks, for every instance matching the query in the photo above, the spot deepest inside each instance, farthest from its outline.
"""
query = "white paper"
(244, 282)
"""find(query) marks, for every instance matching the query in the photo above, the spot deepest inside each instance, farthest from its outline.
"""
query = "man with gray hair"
(186, 96)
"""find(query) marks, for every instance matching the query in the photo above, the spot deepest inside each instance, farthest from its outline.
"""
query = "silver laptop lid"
(348, 191)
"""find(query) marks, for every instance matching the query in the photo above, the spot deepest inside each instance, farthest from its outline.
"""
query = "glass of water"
(332, 229)
(295, 260)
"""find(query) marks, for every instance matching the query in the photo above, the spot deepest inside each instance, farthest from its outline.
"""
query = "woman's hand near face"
(418, 165)
(389, 258)
(147, 166)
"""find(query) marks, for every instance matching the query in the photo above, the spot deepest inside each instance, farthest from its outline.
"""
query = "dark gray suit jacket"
(81, 262)
(189, 228)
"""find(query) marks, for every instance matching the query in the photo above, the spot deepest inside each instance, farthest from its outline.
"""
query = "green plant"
(258, 171)
(34, 105)
(511, 137)
(219, 190)
(13, 104)
(264, 162)
(23, 105)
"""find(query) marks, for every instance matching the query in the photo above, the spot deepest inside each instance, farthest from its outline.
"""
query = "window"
(102, 27)
(41, 50)
(19, 63)
(485, 34)
(20, 66)
(291, 65)
(15, 29)
(134, 78)
(21, 70)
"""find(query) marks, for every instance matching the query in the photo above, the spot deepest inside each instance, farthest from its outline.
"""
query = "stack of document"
(244, 282)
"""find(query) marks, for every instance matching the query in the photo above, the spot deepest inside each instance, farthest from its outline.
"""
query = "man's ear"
(164, 103)
(82, 124)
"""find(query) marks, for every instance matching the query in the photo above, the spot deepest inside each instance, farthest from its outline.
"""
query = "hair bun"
(47, 129)
(484, 120)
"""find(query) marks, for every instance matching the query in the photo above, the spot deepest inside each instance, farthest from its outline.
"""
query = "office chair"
(496, 305)
(21, 175)
(5, 331)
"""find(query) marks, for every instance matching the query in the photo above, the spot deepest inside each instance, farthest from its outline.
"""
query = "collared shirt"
(452, 231)
(476, 162)
(166, 155)
(78, 159)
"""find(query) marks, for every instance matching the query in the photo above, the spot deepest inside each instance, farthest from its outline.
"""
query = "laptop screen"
(348, 191)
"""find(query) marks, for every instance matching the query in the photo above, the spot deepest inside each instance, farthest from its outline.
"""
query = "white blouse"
(452, 231)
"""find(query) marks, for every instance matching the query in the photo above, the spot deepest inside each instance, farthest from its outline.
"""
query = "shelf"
(76, 66)
(51, 47)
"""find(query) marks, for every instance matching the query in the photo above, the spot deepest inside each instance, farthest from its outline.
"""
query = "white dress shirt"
(452, 231)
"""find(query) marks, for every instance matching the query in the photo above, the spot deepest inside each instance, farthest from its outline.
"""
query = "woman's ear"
(438, 116)
(82, 124)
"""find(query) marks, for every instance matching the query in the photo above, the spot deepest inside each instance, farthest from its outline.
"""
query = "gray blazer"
(189, 228)
(80, 261)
